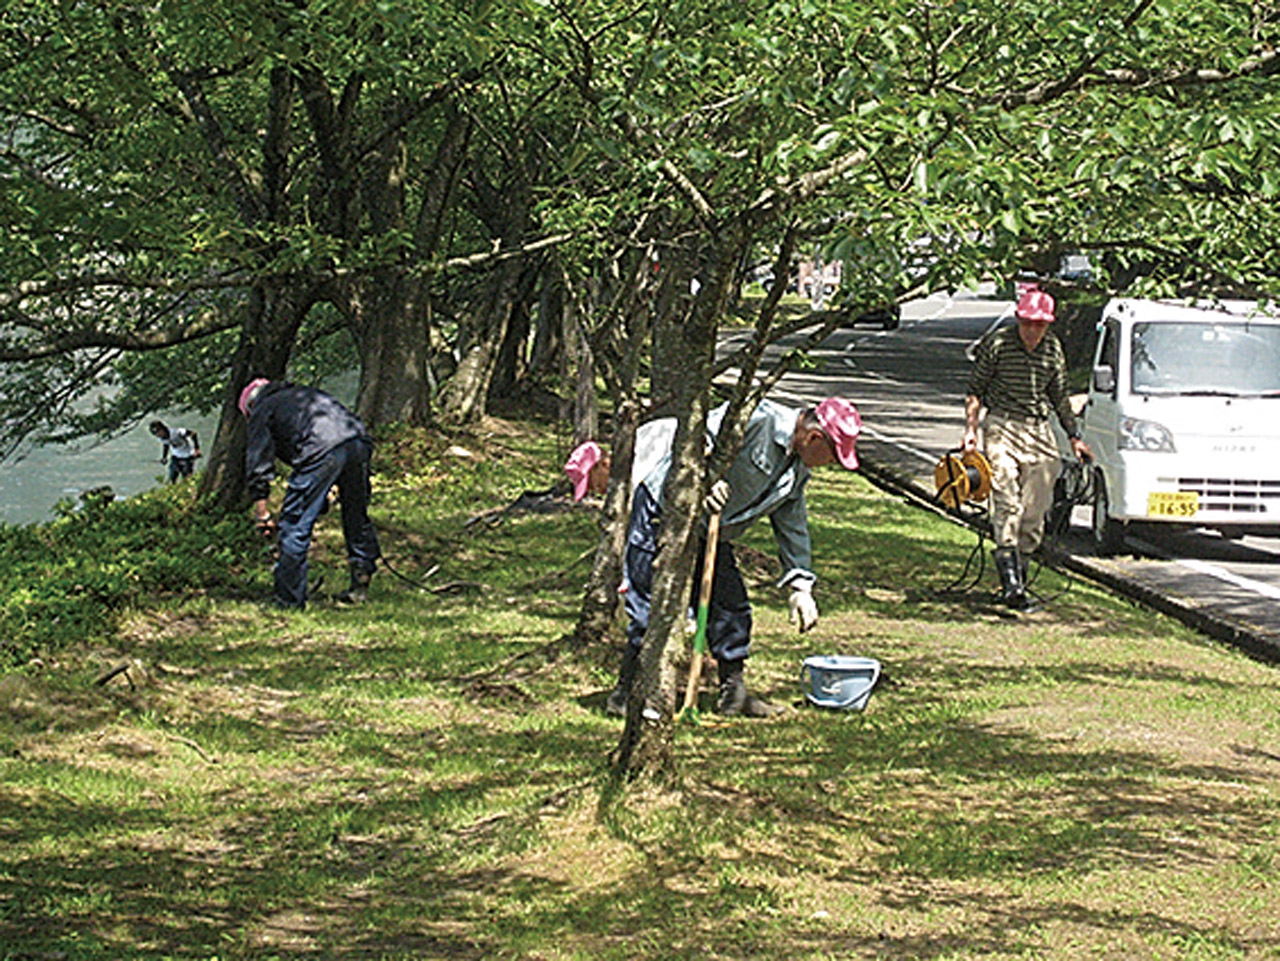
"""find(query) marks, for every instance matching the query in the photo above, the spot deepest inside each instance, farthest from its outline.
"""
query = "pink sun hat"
(250, 391)
(1035, 305)
(584, 457)
(842, 423)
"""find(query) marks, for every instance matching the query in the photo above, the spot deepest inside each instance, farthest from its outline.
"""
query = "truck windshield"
(1235, 360)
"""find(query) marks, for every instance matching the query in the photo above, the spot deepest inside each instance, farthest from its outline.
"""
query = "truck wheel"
(1108, 534)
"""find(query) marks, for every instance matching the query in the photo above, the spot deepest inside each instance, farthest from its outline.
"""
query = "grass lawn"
(401, 781)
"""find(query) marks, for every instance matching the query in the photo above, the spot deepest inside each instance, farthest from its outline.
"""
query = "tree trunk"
(646, 745)
(618, 344)
(582, 375)
(510, 372)
(673, 300)
(266, 340)
(463, 399)
(645, 749)
(546, 356)
(391, 313)
(385, 318)
(387, 312)
(600, 600)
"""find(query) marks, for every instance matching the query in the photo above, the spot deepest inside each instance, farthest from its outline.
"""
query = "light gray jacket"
(766, 478)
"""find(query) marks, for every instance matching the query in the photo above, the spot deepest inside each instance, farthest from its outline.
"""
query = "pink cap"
(841, 422)
(584, 457)
(250, 391)
(1035, 305)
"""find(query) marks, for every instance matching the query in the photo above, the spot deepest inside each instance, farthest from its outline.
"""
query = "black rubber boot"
(1024, 567)
(1013, 592)
(616, 706)
(733, 690)
(358, 591)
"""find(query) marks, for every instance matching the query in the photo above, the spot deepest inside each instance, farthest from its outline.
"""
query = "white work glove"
(804, 611)
(717, 497)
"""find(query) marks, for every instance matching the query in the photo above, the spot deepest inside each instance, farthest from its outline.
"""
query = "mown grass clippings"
(410, 780)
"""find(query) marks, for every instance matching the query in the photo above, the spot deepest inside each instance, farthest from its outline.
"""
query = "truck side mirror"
(1104, 379)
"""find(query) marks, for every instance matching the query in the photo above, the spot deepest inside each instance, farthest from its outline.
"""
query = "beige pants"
(1024, 465)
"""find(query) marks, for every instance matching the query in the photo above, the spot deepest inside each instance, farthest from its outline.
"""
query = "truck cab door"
(1102, 412)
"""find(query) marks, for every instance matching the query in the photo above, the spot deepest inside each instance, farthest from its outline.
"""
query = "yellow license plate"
(1172, 504)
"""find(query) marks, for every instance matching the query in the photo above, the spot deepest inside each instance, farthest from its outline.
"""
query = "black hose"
(974, 479)
(1074, 486)
(408, 580)
(973, 580)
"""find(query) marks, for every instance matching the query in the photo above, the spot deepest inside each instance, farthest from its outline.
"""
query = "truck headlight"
(1145, 435)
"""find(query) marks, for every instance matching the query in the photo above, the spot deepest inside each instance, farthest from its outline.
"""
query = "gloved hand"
(804, 611)
(717, 497)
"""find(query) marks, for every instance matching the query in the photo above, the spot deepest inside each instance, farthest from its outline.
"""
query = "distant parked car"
(764, 277)
(1075, 268)
(888, 317)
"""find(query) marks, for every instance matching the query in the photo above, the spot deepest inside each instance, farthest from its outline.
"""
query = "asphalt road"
(909, 386)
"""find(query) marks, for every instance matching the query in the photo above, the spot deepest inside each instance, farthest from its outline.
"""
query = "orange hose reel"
(962, 477)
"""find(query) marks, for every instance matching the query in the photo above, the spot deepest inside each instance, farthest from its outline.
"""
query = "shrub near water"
(66, 581)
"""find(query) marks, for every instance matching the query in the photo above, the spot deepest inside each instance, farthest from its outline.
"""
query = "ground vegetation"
(186, 774)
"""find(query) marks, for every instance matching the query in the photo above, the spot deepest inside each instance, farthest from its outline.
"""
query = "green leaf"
(922, 177)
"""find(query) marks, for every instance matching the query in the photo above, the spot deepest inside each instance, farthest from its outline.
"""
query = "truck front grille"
(1234, 496)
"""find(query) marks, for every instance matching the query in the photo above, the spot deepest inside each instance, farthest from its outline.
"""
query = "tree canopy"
(178, 174)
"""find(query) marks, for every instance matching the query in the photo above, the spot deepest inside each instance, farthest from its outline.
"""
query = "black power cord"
(1075, 486)
(949, 498)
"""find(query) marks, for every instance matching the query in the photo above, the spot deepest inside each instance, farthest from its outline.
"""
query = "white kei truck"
(1183, 416)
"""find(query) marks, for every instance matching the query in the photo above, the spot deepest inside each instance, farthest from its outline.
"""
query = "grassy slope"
(1093, 780)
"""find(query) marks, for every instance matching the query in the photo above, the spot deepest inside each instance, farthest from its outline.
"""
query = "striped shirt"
(1015, 382)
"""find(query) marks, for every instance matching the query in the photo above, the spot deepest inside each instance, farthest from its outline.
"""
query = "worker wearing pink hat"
(589, 464)
(1020, 378)
(587, 469)
(767, 477)
(326, 446)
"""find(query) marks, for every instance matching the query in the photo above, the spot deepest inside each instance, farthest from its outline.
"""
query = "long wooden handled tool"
(704, 606)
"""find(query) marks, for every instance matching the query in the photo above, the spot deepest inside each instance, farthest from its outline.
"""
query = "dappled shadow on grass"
(924, 681)
(256, 896)
(381, 791)
(953, 799)
(300, 868)
(1004, 926)
(442, 842)
(399, 638)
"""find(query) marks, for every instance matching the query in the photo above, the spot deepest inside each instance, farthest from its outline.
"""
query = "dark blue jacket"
(296, 424)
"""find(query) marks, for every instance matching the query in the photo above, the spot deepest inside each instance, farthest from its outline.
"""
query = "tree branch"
(805, 186)
(32, 289)
(1263, 65)
(206, 323)
(1083, 77)
(242, 180)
